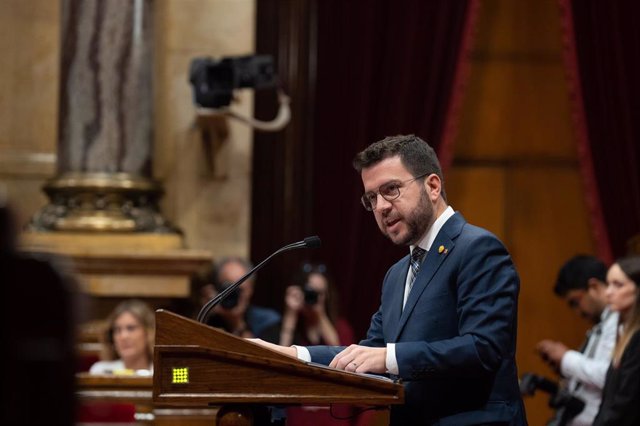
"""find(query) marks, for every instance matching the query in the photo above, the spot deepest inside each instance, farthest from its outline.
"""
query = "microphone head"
(312, 242)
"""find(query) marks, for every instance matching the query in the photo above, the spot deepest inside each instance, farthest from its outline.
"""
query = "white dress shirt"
(426, 243)
(587, 370)
(391, 361)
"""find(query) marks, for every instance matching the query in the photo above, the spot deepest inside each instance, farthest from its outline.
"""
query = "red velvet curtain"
(602, 54)
(378, 68)
(385, 69)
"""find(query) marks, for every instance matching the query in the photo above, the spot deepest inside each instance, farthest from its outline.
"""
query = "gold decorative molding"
(111, 202)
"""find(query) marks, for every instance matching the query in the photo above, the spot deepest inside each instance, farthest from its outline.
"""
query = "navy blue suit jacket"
(456, 337)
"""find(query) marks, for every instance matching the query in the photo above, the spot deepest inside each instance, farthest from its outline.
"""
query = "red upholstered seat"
(105, 412)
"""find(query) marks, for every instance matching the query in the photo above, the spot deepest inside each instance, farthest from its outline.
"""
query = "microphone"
(309, 242)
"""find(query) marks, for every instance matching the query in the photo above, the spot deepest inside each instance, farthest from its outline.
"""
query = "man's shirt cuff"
(303, 353)
(391, 362)
(570, 362)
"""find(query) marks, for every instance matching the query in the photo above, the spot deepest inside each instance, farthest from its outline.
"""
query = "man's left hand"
(361, 359)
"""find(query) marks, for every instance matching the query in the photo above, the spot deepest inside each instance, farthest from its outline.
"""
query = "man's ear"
(433, 185)
(594, 284)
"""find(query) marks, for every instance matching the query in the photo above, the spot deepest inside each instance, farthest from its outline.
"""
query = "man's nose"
(382, 203)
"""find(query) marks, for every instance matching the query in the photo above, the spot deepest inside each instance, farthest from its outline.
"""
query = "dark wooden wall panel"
(515, 168)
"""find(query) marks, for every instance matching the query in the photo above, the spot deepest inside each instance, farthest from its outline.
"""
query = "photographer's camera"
(566, 405)
(215, 80)
(231, 301)
(310, 296)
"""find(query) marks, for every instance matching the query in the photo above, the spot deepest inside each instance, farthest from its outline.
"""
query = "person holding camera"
(310, 316)
(582, 284)
(236, 314)
(621, 394)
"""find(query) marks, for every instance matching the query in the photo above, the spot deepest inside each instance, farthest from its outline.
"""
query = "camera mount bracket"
(279, 122)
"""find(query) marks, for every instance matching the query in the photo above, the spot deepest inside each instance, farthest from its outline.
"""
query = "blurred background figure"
(582, 284)
(621, 394)
(311, 318)
(236, 314)
(37, 334)
(128, 340)
(311, 311)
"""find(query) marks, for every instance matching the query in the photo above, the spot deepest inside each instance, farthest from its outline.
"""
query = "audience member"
(311, 311)
(621, 394)
(37, 320)
(128, 340)
(236, 314)
(311, 318)
(582, 284)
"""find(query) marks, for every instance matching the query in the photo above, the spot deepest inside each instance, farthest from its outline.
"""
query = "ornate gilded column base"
(103, 202)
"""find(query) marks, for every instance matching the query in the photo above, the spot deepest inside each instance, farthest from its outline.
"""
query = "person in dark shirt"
(310, 314)
(37, 323)
(621, 395)
(236, 314)
(311, 318)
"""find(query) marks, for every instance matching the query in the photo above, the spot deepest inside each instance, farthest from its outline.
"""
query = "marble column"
(105, 140)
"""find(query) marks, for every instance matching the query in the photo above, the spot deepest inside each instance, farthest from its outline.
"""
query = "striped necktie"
(416, 260)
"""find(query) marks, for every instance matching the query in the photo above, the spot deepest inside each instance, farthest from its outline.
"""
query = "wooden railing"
(111, 394)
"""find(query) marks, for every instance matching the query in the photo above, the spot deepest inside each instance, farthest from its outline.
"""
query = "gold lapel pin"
(441, 250)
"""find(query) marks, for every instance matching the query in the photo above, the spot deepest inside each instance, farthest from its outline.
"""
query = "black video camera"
(566, 405)
(214, 80)
(232, 299)
(310, 296)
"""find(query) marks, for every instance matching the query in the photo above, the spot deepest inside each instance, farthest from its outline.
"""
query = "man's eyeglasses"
(389, 191)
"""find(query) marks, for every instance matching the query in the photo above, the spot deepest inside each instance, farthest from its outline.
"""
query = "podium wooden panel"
(199, 366)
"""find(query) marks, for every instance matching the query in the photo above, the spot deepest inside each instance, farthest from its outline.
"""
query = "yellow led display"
(180, 375)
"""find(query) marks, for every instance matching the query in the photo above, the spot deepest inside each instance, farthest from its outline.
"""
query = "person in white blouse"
(128, 340)
(582, 284)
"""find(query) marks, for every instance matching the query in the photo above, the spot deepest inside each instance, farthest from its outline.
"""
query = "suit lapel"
(398, 293)
(437, 255)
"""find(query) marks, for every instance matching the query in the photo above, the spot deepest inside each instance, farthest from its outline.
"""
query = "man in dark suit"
(447, 320)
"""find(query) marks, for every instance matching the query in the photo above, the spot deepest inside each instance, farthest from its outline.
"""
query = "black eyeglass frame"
(371, 206)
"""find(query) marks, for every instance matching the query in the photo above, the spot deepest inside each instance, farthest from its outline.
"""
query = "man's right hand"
(286, 350)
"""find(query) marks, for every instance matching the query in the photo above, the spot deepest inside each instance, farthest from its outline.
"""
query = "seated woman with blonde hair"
(128, 340)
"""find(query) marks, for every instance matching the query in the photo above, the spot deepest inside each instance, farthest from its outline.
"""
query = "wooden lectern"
(199, 366)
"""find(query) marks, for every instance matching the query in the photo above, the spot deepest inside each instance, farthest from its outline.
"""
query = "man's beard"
(417, 222)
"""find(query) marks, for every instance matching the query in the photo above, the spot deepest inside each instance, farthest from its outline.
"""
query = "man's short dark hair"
(416, 155)
(576, 273)
(219, 265)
